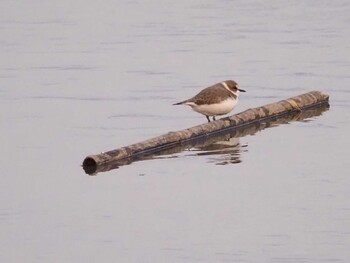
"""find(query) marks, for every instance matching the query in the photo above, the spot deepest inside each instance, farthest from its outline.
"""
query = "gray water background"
(82, 77)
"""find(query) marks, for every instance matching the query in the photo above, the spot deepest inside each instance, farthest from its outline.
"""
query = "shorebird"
(215, 100)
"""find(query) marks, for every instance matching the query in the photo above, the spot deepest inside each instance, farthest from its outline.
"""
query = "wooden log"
(211, 139)
(248, 118)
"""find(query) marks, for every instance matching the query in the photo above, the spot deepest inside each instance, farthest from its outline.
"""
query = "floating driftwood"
(238, 125)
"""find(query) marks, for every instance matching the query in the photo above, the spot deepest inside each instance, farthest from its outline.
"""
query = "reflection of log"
(238, 125)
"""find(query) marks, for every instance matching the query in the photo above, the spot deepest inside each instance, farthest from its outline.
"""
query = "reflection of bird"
(221, 146)
(215, 100)
(223, 152)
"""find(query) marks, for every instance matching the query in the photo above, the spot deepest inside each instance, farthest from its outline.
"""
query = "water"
(79, 78)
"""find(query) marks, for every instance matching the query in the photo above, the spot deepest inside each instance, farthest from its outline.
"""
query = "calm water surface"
(79, 78)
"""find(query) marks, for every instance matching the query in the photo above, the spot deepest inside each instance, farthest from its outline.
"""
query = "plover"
(215, 100)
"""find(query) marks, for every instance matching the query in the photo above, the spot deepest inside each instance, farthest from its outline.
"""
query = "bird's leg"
(214, 118)
(207, 118)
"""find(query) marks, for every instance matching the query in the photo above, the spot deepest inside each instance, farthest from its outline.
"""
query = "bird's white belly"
(221, 108)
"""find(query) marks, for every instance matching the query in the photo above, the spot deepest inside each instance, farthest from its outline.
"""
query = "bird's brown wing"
(210, 95)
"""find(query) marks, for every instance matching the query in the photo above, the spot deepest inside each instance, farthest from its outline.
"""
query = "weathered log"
(239, 122)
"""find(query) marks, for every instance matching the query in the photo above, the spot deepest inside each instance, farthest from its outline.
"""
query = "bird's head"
(233, 87)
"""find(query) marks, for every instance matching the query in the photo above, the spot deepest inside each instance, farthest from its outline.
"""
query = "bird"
(218, 99)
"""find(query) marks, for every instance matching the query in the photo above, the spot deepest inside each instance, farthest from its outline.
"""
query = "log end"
(89, 161)
(90, 165)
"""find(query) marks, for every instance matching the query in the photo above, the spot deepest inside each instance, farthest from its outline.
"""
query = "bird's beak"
(242, 90)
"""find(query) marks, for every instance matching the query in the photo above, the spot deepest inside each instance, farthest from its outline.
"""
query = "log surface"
(239, 120)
